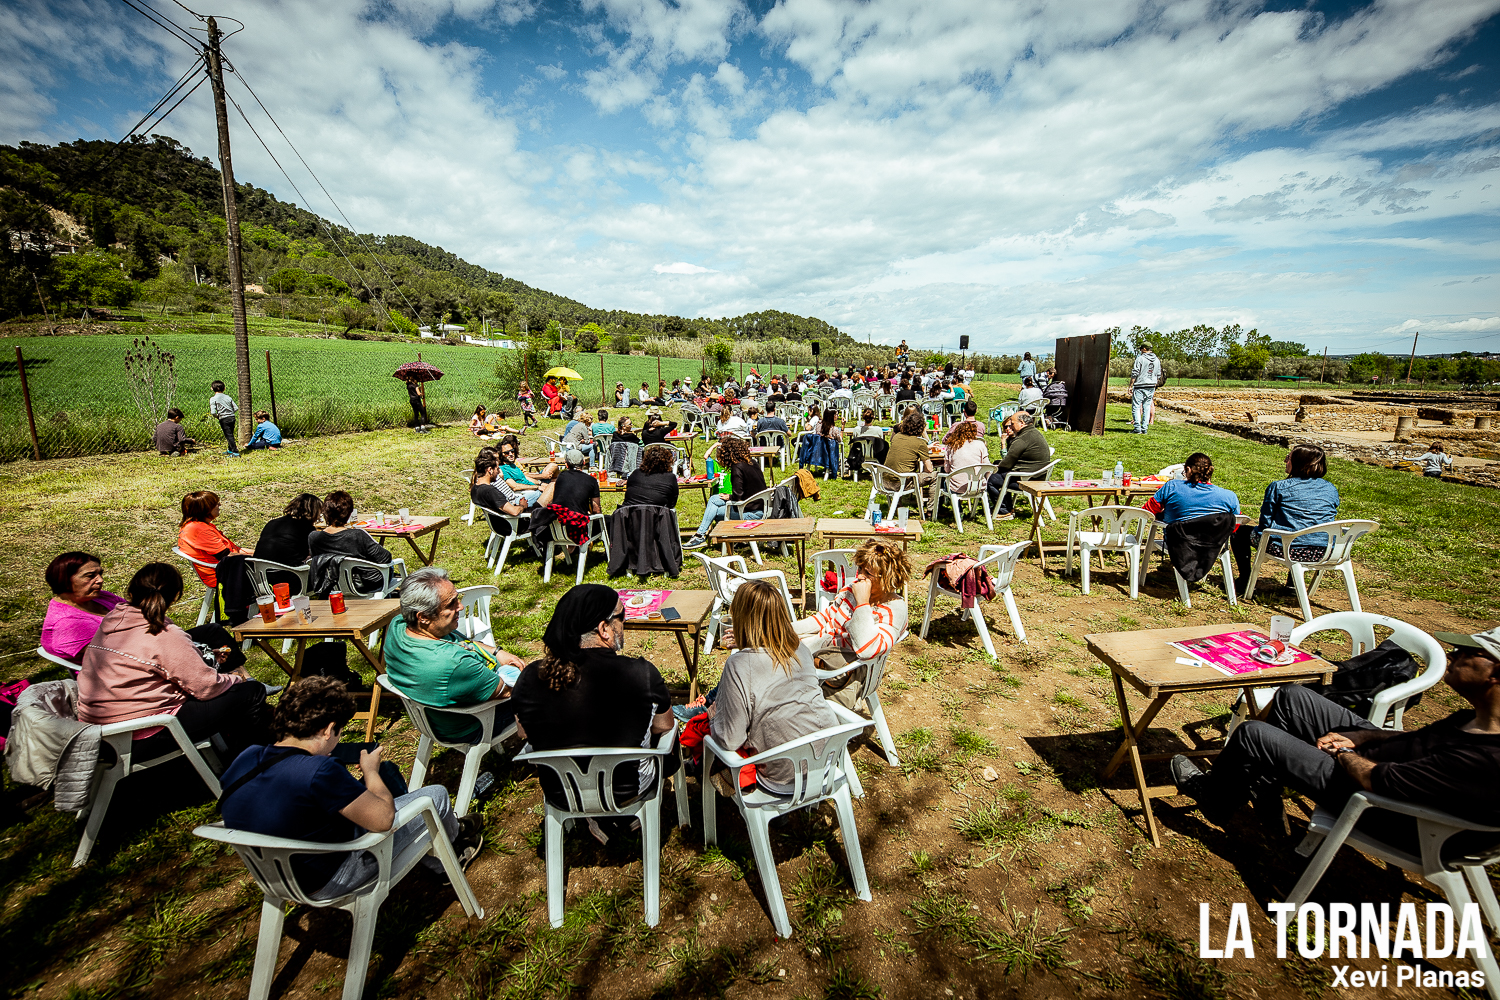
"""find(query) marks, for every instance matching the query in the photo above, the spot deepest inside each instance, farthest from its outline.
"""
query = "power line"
(135, 129)
(373, 297)
(162, 21)
(350, 225)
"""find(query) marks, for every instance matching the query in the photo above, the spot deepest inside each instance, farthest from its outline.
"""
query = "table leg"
(293, 670)
(1131, 747)
(690, 661)
(379, 664)
(1036, 539)
(426, 560)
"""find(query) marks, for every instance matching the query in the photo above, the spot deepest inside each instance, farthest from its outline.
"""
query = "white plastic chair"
(50, 658)
(598, 531)
(887, 482)
(468, 478)
(1327, 833)
(885, 405)
(497, 546)
(872, 671)
(725, 574)
(121, 738)
(209, 595)
(1178, 471)
(1337, 557)
(484, 713)
(256, 570)
(1117, 529)
(734, 510)
(975, 488)
(841, 562)
(1000, 561)
(474, 612)
(590, 794)
(269, 860)
(390, 579)
(818, 776)
(1014, 477)
(774, 439)
(1359, 627)
(1226, 566)
(866, 442)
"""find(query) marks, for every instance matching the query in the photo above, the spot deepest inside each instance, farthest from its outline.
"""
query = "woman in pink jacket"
(141, 664)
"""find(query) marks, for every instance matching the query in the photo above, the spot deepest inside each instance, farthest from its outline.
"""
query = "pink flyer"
(1230, 652)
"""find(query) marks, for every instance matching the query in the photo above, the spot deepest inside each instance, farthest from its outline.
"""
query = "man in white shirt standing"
(1144, 375)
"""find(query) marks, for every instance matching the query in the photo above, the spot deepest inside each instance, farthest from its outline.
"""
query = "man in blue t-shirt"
(295, 789)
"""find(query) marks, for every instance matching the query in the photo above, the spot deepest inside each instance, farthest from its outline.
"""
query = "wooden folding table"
(424, 526)
(1144, 660)
(1041, 491)
(858, 529)
(796, 530)
(692, 607)
(359, 620)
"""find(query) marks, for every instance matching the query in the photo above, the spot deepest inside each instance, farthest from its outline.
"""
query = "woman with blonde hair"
(869, 615)
(768, 694)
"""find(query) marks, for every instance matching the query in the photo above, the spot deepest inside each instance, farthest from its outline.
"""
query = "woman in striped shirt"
(866, 618)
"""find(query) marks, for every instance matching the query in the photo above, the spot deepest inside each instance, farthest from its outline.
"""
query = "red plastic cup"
(283, 592)
(336, 602)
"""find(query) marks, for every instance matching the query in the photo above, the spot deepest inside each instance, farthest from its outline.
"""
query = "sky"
(1013, 170)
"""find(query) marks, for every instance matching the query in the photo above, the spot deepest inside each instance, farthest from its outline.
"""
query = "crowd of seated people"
(746, 480)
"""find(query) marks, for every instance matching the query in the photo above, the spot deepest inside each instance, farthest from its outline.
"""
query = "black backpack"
(1360, 678)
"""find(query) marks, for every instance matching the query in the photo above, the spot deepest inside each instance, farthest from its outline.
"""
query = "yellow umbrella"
(566, 373)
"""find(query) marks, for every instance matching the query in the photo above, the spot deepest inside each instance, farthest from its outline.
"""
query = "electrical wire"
(160, 20)
(136, 128)
(373, 297)
(348, 224)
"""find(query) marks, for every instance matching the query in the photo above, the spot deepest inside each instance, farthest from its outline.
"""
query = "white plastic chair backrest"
(1044, 473)
(1001, 561)
(765, 496)
(474, 613)
(347, 566)
(54, 658)
(269, 859)
(1359, 626)
(815, 775)
(256, 570)
(1341, 538)
(1177, 471)
(177, 551)
(841, 561)
(771, 439)
(718, 579)
(1119, 525)
(884, 479)
(592, 789)
(976, 478)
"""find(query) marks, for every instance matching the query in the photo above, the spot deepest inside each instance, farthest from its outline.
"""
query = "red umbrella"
(417, 371)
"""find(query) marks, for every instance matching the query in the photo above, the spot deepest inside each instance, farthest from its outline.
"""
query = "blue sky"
(1326, 172)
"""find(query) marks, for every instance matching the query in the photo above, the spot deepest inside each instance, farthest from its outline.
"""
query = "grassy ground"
(1037, 883)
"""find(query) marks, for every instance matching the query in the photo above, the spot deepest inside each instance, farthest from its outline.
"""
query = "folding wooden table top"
(1144, 660)
(425, 526)
(359, 620)
(692, 607)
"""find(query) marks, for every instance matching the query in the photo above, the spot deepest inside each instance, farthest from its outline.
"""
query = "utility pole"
(1413, 359)
(232, 218)
(1323, 375)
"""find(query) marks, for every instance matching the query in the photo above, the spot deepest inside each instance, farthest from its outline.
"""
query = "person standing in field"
(416, 394)
(223, 409)
(1144, 376)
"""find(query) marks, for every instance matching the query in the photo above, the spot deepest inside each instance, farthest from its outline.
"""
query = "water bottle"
(1119, 471)
(726, 486)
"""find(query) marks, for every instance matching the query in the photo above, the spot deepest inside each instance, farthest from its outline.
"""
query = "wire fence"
(85, 402)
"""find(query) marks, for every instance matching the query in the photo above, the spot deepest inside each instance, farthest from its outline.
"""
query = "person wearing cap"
(584, 693)
(1327, 753)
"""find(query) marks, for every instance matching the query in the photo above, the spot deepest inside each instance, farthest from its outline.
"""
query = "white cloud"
(681, 267)
(898, 167)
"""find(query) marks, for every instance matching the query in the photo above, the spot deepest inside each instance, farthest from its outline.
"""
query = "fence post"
(36, 449)
(271, 385)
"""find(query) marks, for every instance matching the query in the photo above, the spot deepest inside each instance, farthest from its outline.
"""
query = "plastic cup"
(902, 514)
(405, 515)
(380, 517)
(1281, 628)
(267, 607)
(1104, 476)
(1067, 477)
(282, 593)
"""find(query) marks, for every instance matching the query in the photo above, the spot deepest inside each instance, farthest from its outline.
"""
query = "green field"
(83, 403)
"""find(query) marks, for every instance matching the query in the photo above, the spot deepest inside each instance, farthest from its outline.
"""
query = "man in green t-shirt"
(429, 661)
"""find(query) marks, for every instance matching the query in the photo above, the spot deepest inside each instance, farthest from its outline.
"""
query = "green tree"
(528, 361)
(1287, 349)
(620, 342)
(720, 355)
(1246, 362)
(586, 339)
(95, 278)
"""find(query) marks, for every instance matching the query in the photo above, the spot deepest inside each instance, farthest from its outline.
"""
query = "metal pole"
(232, 220)
(36, 449)
(271, 385)
(1413, 359)
(1323, 375)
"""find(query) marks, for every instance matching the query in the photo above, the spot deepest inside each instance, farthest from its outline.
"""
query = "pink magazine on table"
(1230, 652)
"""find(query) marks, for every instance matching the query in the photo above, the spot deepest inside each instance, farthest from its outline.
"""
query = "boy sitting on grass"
(267, 435)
